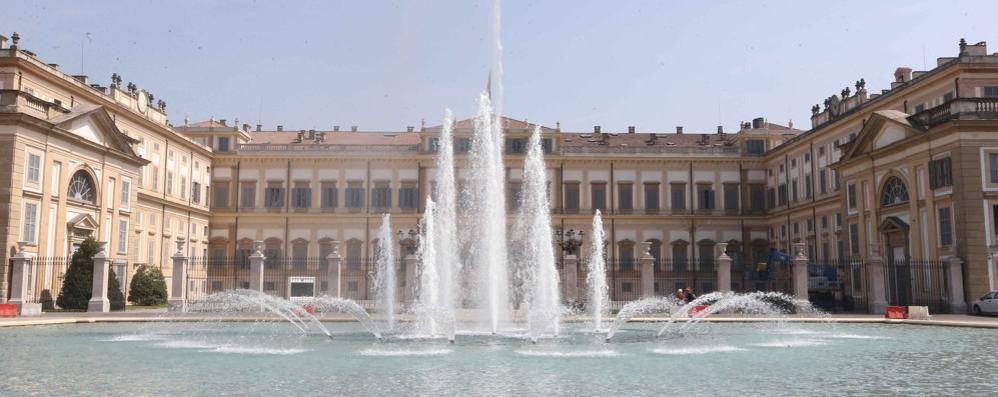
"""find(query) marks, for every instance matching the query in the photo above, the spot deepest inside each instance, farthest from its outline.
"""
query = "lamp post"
(568, 241)
(409, 241)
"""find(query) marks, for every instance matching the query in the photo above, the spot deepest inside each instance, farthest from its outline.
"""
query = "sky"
(385, 65)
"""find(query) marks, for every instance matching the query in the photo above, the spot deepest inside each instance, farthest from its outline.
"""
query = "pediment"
(82, 221)
(94, 124)
(881, 130)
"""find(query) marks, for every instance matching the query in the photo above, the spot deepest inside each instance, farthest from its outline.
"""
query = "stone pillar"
(800, 272)
(19, 283)
(256, 266)
(570, 278)
(178, 294)
(723, 269)
(409, 295)
(957, 301)
(876, 285)
(334, 274)
(647, 263)
(98, 299)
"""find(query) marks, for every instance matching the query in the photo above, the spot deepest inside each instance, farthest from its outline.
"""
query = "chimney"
(720, 130)
(311, 134)
(595, 129)
(259, 127)
(630, 129)
(54, 65)
(758, 122)
(410, 128)
(280, 128)
(679, 129)
(353, 128)
(246, 127)
(3, 42)
(82, 78)
(222, 121)
(902, 75)
(336, 128)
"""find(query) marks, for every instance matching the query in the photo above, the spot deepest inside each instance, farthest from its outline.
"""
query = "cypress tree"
(78, 283)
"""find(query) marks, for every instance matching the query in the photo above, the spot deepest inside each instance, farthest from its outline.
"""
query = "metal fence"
(45, 277)
(288, 277)
(673, 275)
(769, 276)
(917, 283)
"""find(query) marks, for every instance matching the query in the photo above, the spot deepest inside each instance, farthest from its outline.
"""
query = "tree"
(77, 285)
(148, 287)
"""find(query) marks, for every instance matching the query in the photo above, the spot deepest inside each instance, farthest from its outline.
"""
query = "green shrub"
(148, 287)
(77, 285)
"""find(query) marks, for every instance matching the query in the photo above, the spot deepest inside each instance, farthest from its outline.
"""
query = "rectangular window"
(993, 165)
(223, 144)
(854, 238)
(705, 197)
(651, 196)
(196, 192)
(757, 197)
(824, 222)
(941, 173)
(771, 198)
(221, 199)
(920, 108)
(851, 193)
(546, 145)
(30, 228)
(34, 168)
(354, 195)
(599, 195)
(273, 196)
(247, 195)
(948, 97)
(381, 196)
(301, 196)
(516, 145)
(433, 145)
(990, 92)
(155, 178)
(122, 236)
(514, 198)
(330, 195)
(625, 196)
(731, 197)
(808, 186)
(572, 197)
(782, 193)
(408, 198)
(755, 146)
(793, 191)
(169, 182)
(678, 196)
(462, 145)
(183, 187)
(55, 175)
(126, 192)
(823, 181)
(945, 227)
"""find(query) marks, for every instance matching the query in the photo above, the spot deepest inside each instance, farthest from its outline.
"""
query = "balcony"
(957, 109)
(14, 101)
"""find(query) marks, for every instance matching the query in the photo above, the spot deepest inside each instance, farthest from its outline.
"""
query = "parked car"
(987, 304)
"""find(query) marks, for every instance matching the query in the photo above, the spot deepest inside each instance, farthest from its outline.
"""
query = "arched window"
(895, 192)
(81, 188)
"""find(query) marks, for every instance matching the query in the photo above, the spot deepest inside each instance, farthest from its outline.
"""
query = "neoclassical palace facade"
(905, 172)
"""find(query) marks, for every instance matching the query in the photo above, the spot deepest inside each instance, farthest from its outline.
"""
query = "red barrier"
(697, 309)
(896, 312)
(8, 310)
(310, 309)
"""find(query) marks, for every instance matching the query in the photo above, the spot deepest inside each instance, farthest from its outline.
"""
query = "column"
(800, 272)
(723, 269)
(954, 269)
(570, 278)
(334, 275)
(647, 263)
(19, 283)
(178, 294)
(102, 265)
(876, 285)
(409, 295)
(256, 266)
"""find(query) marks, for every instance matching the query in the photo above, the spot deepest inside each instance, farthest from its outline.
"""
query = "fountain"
(244, 300)
(540, 276)
(488, 204)
(640, 307)
(386, 282)
(599, 300)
